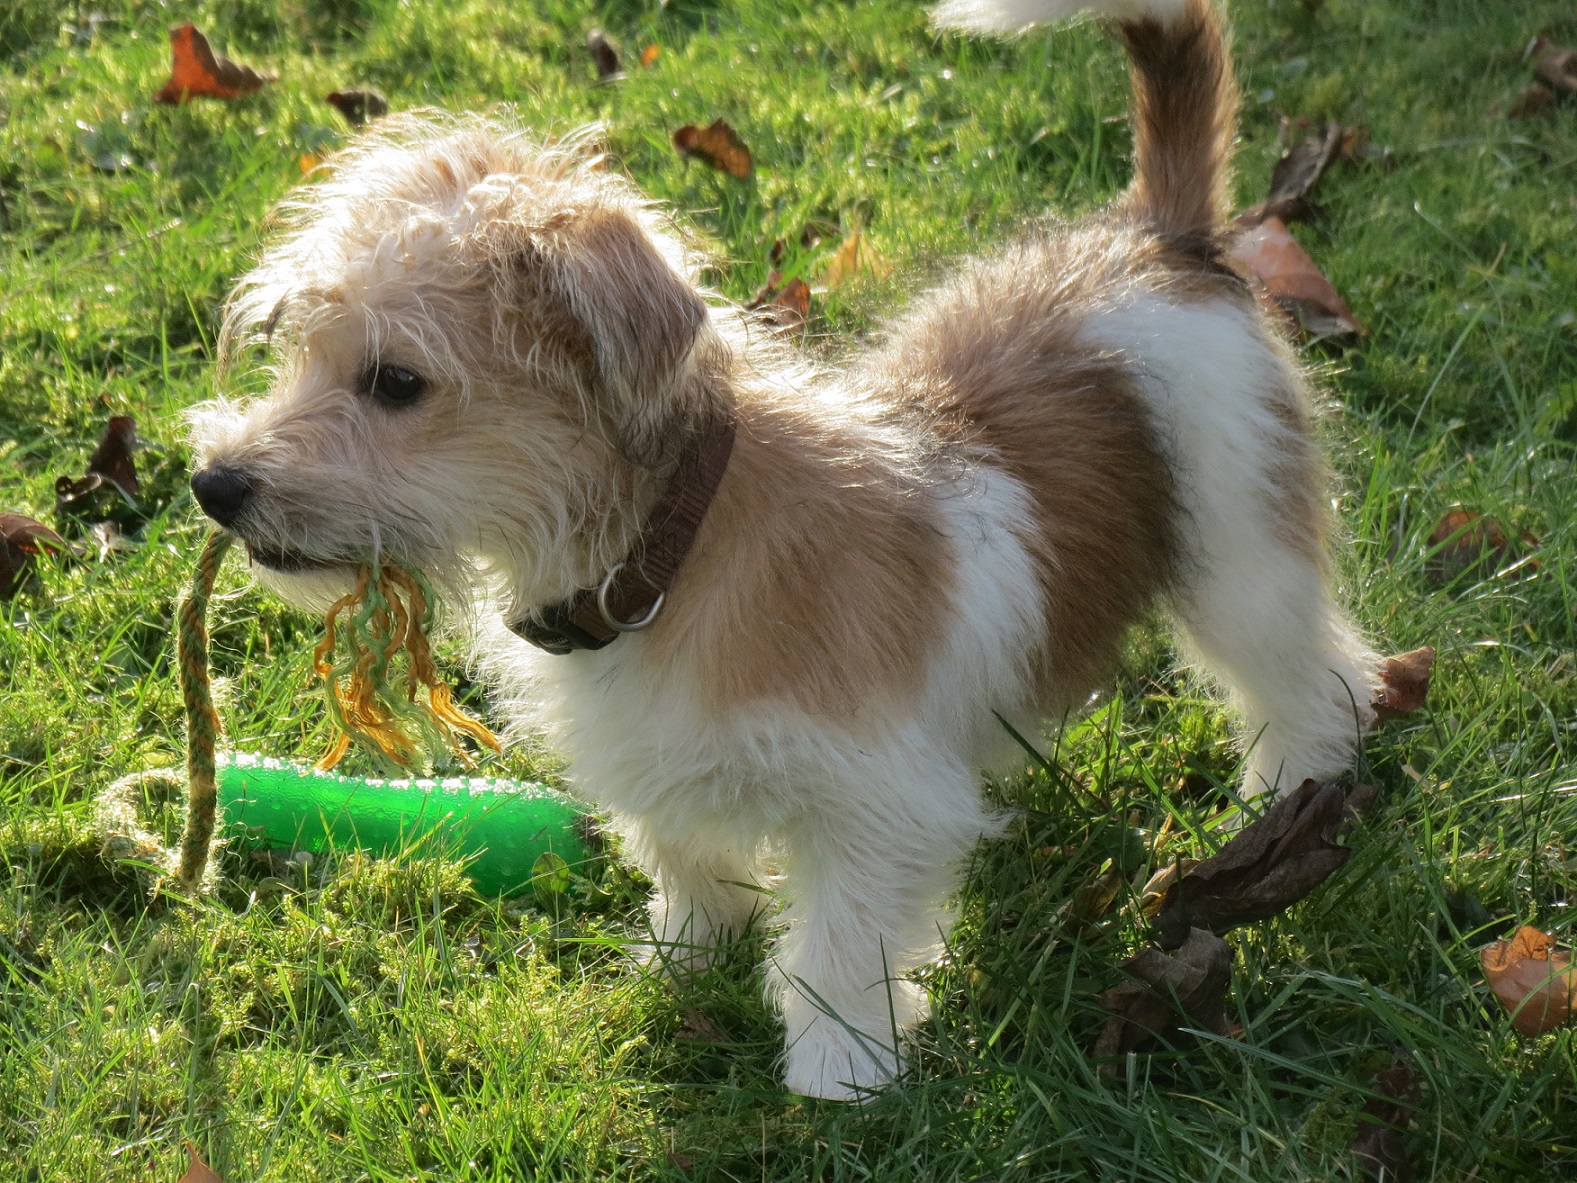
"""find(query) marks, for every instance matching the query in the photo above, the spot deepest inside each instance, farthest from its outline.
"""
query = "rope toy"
(373, 698)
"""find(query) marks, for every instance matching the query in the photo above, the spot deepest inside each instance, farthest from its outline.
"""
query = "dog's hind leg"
(1259, 614)
(866, 885)
(1252, 586)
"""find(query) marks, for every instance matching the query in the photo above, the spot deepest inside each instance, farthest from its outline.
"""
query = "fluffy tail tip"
(1014, 16)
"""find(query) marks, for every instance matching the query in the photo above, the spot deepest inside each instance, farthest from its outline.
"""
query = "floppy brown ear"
(641, 320)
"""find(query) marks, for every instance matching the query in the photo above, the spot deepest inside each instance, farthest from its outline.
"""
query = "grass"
(359, 1019)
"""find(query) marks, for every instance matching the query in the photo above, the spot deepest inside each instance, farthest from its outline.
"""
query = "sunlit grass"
(371, 1020)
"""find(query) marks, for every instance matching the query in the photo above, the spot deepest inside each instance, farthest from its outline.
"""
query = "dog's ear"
(640, 317)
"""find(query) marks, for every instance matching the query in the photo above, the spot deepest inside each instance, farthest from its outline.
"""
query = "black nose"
(222, 492)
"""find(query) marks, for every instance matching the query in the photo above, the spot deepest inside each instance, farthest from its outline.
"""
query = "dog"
(776, 613)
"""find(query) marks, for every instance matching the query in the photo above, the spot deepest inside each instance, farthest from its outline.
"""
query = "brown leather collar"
(631, 594)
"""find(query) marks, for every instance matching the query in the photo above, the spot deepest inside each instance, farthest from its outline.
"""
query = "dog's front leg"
(866, 884)
(706, 892)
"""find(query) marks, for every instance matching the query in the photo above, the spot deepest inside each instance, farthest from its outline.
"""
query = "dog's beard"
(310, 589)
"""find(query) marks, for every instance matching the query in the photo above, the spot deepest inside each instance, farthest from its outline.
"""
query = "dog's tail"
(1185, 100)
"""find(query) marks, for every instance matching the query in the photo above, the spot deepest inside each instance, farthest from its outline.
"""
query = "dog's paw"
(836, 1063)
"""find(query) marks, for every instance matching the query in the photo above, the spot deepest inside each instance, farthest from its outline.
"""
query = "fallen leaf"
(108, 489)
(1553, 64)
(605, 55)
(108, 539)
(649, 56)
(306, 162)
(1404, 684)
(1271, 865)
(357, 106)
(1529, 101)
(718, 145)
(21, 540)
(1361, 800)
(199, 72)
(787, 305)
(1297, 171)
(1293, 177)
(111, 458)
(1533, 979)
(1153, 894)
(1466, 542)
(1378, 1145)
(1183, 989)
(854, 256)
(697, 1026)
(811, 235)
(197, 1171)
(1269, 254)
(1357, 148)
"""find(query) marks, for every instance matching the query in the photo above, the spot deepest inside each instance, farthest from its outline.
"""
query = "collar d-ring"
(613, 622)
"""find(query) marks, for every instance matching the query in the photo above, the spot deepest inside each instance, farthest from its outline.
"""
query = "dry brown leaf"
(197, 1171)
(854, 256)
(107, 539)
(1153, 894)
(1531, 100)
(605, 55)
(787, 305)
(718, 145)
(111, 458)
(1294, 175)
(357, 106)
(1355, 145)
(1466, 542)
(811, 235)
(1269, 254)
(1533, 978)
(1271, 865)
(1378, 1145)
(649, 56)
(697, 1026)
(111, 479)
(1404, 684)
(1361, 800)
(1357, 148)
(21, 540)
(1187, 988)
(1553, 64)
(198, 72)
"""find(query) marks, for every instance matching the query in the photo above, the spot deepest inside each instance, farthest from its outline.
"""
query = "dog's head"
(478, 344)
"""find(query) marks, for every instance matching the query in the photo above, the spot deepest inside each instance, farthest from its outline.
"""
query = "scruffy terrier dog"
(772, 611)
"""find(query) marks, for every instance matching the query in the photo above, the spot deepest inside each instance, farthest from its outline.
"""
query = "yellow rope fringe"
(373, 696)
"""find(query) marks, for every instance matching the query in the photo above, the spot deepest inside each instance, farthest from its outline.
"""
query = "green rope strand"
(387, 695)
(202, 721)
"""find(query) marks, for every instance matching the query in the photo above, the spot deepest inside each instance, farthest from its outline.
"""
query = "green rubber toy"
(502, 827)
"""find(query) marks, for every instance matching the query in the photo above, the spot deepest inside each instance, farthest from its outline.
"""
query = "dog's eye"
(394, 386)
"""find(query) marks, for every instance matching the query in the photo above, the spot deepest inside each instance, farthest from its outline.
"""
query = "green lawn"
(358, 1019)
